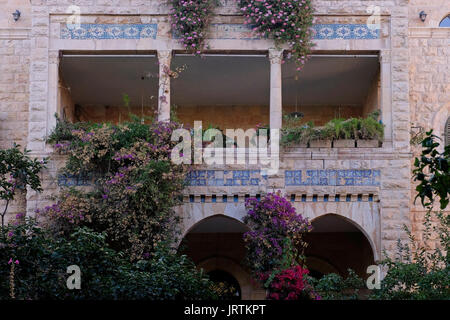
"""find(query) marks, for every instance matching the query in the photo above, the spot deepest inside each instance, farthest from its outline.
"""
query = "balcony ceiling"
(218, 80)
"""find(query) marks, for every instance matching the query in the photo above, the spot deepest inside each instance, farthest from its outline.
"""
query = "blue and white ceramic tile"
(225, 178)
(110, 31)
(332, 177)
(220, 31)
(344, 31)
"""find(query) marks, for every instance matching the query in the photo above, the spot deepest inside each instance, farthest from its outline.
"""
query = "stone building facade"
(357, 198)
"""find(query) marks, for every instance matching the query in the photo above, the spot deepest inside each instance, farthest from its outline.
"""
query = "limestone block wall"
(370, 187)
(394, 43)
(15, 46)
(429, 78)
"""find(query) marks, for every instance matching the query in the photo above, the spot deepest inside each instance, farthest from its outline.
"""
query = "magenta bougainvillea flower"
(286, 21)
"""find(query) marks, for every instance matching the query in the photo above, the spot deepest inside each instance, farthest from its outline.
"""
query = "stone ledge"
(417, 32)
(15, 33)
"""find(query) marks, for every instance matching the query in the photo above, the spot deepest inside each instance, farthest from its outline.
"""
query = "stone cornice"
(14, 33)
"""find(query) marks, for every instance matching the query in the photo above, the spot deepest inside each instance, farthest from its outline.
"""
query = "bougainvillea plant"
(275, 239)
(136, 184)
(190, 19)
(291, 284)
(286, 21)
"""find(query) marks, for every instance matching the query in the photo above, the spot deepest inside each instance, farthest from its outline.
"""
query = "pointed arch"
(357, 226)
(445, 22)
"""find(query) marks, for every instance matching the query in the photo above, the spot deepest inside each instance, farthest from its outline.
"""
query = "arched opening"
(225, 284)
(336, 244)
(445, 23)
(216, 245)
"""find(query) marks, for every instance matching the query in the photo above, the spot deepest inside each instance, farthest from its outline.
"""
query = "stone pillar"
(385, 94)
(53, 81)
(164, 58)
(276, 105)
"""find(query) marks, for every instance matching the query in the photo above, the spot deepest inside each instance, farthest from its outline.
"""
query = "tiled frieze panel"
(235, 178)
(329, 31)
(74, 180)
(332, 177)
(110, 31)
(344, 31)
(226, 178)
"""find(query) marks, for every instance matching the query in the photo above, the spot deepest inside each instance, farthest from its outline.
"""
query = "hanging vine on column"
(286, 21)
(190, 20)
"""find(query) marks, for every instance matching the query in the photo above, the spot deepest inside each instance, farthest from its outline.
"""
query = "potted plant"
(370, 132)
(295, 134)
(343, 132)
(321, 137)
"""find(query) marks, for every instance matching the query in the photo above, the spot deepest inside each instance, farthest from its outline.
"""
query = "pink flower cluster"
(291, 284)
(287, 21)
(189, 21)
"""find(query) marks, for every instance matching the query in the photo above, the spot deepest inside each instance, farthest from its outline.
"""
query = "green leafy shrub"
(17, 171)
(334, 287)
(432, 172)
(42, 261)
(136, 189)
(419, 271)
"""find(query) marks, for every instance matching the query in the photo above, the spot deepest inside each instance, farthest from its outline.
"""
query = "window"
(445, 23)
(447, 132)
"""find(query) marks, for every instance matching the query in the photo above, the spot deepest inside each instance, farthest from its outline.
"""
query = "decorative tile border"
(65, 180)
(321, 31)
(332, 178)
(225, 178)
(217, 31)
(110, 31)
(344, 31)
(255, 178)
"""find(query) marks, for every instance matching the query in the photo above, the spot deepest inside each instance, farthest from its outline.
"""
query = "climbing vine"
(190, 20)
(286, 21)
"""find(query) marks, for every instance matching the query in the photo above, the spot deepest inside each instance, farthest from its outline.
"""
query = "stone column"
(385, 94)
(276, 105)
(53, 80)
(164, 58)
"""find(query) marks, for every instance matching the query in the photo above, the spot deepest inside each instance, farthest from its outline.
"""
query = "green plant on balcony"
(295, 132)
(370, 128)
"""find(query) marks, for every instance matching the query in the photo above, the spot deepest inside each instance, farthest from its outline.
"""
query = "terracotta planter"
(367, 143)
(344, 143)
(320, 144)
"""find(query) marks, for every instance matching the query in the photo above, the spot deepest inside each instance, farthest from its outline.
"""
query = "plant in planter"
(344, 132)
(321, 137)
(370, 131)
(295, 134)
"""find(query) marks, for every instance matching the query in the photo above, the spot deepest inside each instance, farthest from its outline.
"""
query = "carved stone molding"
(275, 56)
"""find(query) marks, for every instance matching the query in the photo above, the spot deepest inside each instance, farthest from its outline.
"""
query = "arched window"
(445, 23)
(447, 132)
